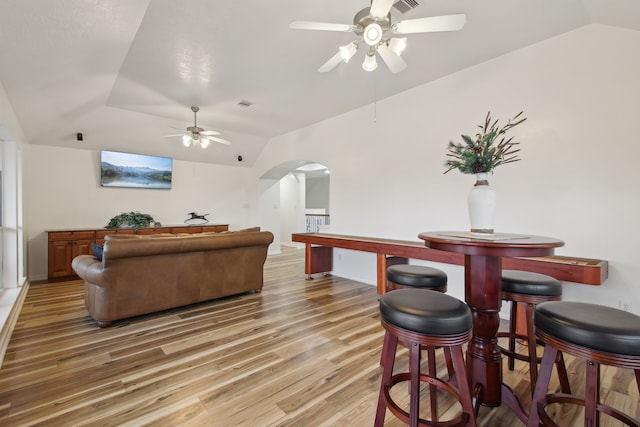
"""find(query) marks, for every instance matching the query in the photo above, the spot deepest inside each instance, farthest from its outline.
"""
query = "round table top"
(497, 244)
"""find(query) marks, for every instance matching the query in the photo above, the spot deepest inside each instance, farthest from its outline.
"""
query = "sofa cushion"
(121, 236)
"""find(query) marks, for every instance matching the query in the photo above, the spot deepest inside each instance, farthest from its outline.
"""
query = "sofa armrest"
(88, 268)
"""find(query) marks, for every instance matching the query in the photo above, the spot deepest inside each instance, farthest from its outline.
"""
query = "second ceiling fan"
(199, 135)
(376, 33)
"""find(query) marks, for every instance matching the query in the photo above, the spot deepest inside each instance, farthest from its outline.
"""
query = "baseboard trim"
(12, 319)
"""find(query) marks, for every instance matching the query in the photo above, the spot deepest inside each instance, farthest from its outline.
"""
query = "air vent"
(403, 6)
(245, 103)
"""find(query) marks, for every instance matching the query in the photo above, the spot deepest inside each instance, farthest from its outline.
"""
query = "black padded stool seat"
(416, 276)
(592, 326)
(423, 319)
(525, 282)
(529, 289)
(594, 333)
(431, 314)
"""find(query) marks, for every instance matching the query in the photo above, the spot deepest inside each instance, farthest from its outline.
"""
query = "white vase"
(482, 206)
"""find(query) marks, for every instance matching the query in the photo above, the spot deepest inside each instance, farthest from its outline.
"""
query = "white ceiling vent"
(401, 7)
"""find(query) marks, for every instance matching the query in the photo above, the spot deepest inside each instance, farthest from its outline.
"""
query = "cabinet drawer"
(216, 228)
(71, 235)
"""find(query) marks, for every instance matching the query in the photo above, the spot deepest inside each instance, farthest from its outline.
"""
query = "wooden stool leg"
(637, 371)
(450, 370)
(387, 361)
(433, 390)
(512, 333)
(562, 374)
(414, 372)
(542, 384)
(592, 395)
(531, 343)
(384, 344)
(463, 383)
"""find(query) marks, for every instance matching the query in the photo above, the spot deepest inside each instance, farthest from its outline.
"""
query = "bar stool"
(594, 333)
(417, 318)
(416, 276)
(401, 276)
(530, 289)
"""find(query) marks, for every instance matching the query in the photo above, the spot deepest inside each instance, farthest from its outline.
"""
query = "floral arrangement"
(487, 151)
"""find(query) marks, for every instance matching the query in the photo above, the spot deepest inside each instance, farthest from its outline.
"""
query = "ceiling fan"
(198, 135)
(376, 33)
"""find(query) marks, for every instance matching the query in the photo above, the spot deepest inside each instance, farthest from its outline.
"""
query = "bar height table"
(482, 272)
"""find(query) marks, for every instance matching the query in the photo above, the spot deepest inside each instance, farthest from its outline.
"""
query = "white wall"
(577, 179)
(292, 205)
(61, 189)
(318, 195)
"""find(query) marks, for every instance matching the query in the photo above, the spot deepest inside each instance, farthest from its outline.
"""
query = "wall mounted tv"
(134, 170)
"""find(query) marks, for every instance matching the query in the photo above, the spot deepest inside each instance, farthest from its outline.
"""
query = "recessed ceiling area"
(125, 73)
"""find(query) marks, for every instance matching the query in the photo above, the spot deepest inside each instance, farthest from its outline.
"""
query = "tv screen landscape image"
(134, 170)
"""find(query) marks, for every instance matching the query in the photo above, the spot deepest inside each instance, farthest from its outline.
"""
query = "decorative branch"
(483, 154)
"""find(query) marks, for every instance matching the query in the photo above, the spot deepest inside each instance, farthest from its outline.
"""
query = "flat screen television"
(134, 170)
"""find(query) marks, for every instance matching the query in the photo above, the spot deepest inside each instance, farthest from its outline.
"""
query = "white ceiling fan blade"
(430, 24)
(332, 62)
(168, 136)
(210, 132)
(220, 140)
(380, 8)
(322, 26)
(393, 61)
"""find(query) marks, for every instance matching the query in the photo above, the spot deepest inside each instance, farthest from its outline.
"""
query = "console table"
(319, 258)
(64, 245)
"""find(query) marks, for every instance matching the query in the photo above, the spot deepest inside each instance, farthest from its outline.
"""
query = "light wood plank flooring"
(301, 353)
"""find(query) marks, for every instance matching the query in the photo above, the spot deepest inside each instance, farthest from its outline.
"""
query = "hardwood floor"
(301, 353)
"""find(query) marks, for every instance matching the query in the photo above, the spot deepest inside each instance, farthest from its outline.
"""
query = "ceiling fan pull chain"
(375, 100)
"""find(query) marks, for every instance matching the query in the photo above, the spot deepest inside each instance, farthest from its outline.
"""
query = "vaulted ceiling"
(125, 72)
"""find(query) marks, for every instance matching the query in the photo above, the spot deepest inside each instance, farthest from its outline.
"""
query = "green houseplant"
(488, 150)
(133, 220)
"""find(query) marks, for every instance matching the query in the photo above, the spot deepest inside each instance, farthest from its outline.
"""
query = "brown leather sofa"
(144, 274)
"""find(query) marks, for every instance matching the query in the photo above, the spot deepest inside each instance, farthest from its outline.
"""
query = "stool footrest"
(575, 400)
(403, 415)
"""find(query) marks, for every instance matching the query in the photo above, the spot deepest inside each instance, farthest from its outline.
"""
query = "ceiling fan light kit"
(372, 34)
(373, 26)
(398, 45)
(347, 51)
(370, 63)
(199, 135)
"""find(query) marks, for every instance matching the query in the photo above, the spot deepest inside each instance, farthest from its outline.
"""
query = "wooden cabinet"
(64, 245)
(188, 229)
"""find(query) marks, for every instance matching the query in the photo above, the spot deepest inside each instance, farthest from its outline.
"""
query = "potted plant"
(133, 220)
(480, 156)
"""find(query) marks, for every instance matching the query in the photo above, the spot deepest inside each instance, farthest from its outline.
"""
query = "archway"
(289, 193)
